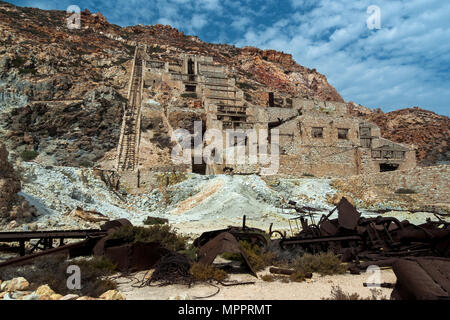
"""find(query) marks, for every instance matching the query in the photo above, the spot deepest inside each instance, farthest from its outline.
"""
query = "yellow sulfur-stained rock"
(45, 290)
(113, 295)
(56, 296)
(16, 284)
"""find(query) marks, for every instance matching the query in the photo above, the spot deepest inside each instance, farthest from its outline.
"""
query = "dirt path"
(316, 288)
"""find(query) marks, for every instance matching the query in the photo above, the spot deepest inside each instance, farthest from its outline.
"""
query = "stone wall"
(430, 186)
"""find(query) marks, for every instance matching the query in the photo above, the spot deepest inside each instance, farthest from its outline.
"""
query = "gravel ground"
(317, 288)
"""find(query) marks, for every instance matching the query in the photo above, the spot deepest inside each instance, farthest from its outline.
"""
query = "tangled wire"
(173, 268)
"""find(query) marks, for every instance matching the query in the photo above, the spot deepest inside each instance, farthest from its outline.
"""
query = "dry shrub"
(258, 257)
(155, 220)
(323, 263)
(162, 234)
(338, 294)
(52, 270)
(268, 278)
(202, 272)
(298, 276)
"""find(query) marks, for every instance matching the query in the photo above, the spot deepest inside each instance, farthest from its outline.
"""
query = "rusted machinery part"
(66, 249)
(84, 247)
(326, 241)
(255, 236)
(137, 256)
(110, 227)
(348, 216)
(275, 232)
(425, 278)
(284, 271)
(287, 272)
(224, 242)
(57, 234)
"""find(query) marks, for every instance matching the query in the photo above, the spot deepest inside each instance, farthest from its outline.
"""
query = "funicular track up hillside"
(130, 132)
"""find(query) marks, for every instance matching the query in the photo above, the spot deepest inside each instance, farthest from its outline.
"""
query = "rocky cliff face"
(12, 206)
(428, 131)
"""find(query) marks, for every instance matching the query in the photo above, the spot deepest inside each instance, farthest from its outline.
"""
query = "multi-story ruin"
(317, 138)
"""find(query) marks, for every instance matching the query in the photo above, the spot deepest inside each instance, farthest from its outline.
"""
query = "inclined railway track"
(128, 144)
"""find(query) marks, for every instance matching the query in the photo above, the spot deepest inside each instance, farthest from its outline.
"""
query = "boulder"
(113, 295)
(70, 297)
(44, 290)
(16, 284)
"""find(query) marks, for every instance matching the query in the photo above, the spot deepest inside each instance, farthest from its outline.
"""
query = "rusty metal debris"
(172, 268)
(356, 237)
(127, 256)
(424, 278)
(244, 233)
(223, 242)
(419, 254)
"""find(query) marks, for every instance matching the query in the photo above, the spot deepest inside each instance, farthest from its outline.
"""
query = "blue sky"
(405, 63)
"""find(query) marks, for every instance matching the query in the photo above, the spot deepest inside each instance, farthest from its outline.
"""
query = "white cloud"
(397, 66)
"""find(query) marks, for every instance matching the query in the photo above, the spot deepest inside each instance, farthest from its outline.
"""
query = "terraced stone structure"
(319, 138)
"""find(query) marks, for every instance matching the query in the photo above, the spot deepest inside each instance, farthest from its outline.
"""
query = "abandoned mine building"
(317, 138)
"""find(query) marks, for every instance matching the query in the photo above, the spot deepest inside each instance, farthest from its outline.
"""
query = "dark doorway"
(385, 167)
(199, 168)
(271, 99)
(191, 67)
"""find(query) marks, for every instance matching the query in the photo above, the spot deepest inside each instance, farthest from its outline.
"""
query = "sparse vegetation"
(258, 257)
(245, 86)
(298, 276)
(338, 294)
(405, 191)
(189, 95)
(323, 263)
(202, 272)
(155, 220)
(29, 155)
(17, 62)
(162, 234)
(268, 278)
(85, 163)
(308, 175)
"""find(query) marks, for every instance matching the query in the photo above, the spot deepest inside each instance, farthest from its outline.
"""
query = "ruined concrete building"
(317, 138)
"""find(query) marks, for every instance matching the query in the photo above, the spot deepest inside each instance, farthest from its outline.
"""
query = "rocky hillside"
(428, 131)
(62, 91)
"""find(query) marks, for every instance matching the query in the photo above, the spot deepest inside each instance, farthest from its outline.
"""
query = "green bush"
(29, 155)
(405, 191)
(189, 95)
(257, 257)
(201, 272)
(323, 263)
(268, 278)
(155, 220)
(162, 234)
(17, 62)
